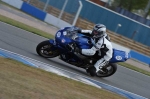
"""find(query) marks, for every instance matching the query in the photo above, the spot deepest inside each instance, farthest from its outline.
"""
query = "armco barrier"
(140, 57)
(45, 17)
(33, 11)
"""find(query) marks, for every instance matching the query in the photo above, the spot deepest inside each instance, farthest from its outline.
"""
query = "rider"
(102, 45)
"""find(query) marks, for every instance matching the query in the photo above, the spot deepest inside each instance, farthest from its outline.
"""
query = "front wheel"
(108, 70)
(47, 50)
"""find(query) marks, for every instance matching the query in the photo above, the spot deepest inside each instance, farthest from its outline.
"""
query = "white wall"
(119, 47)
(56, 21)
(15, 3)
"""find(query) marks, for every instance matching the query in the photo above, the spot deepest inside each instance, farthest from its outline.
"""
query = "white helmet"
(99, 30)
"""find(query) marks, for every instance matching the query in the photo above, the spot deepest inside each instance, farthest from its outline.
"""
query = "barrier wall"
(56, 21)
(15, 3)
(33, 11)
(140, 57)
(119, 47)
(60, 23)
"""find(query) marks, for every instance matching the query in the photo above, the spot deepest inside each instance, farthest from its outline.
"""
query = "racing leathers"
(104, 48)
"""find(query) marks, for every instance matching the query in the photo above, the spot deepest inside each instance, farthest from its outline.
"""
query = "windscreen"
(72, 33)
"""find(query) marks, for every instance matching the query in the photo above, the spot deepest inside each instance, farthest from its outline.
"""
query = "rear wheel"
(47, 50)
(108, 70)
(91, 71)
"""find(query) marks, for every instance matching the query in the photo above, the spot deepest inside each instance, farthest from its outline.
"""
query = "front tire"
(47, 50)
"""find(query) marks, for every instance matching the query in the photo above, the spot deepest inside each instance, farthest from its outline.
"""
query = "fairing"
(63, 38)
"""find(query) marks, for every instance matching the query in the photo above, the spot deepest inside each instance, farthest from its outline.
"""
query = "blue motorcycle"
(63, 46)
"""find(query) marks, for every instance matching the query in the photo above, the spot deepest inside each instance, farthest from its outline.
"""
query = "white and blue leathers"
(104, 48)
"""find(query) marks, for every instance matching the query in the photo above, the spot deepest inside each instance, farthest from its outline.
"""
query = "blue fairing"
(51, 41)
(119, 56)
(63, 38)
(83, 43)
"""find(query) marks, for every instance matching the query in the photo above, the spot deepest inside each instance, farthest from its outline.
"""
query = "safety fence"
(52, 10)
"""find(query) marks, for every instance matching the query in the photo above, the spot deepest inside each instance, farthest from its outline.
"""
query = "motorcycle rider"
(102, 45)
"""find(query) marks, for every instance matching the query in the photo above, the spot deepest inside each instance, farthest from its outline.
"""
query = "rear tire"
(111, 71)
(91, 71)
(47, 50)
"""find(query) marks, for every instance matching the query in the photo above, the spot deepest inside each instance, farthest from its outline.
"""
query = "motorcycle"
(63, 46)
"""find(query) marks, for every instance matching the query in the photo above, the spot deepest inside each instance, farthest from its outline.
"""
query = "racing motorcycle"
(64, 44)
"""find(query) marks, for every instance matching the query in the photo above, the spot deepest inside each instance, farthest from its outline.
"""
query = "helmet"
(99, 30)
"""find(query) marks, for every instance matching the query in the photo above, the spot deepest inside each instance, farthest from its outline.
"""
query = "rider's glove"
(77, 29)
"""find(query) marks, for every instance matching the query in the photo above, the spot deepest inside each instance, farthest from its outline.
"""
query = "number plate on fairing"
(119, 56)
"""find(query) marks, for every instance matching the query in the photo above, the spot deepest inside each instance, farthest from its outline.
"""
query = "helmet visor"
(95, 32)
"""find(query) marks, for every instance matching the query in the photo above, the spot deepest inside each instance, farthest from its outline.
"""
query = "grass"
(19, 81)
(25, 27)
(47, 35)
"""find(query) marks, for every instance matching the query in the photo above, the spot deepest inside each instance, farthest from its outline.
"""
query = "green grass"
(25, 27)
(47, 35)
(135, 68)
(19, 81)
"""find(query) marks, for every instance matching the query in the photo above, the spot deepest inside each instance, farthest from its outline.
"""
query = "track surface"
(24, 43)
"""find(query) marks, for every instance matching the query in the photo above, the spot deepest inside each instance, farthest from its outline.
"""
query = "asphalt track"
(24, 43)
